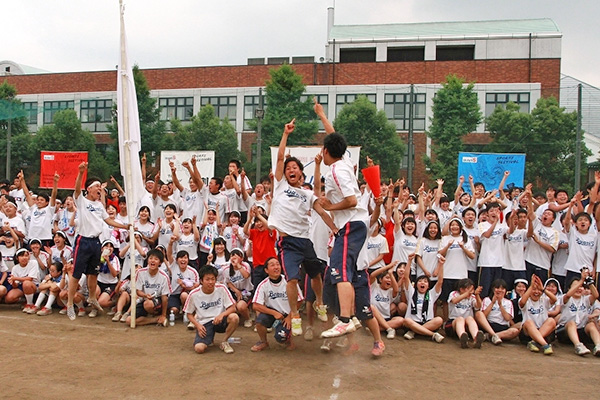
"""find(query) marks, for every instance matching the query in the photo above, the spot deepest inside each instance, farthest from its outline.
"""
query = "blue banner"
(488, 168)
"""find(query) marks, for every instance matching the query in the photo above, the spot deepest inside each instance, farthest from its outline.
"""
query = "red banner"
(66, 164)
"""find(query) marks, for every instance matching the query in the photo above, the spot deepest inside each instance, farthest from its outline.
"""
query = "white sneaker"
(321, 311)
(81, 312)
(297, 326)
(410, 335)
(191, 326)
(71, 313)
(117, 316)
(326, 346)
(112, 311)
(248, 323)
(226, 347)
(496, 340)
(124, 317)
(581, 350)
(94, 303)
(391, 333)
(93, 313)
(339, 329)
(437, 338)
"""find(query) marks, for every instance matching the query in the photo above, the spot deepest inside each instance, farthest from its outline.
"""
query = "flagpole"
(124, 113)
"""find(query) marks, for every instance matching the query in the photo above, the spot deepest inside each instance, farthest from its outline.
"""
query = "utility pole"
(578, 140)
(409, 178)
(259, 113)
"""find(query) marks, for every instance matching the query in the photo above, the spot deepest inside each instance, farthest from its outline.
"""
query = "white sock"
(29, 298)
(51, 299)
(40, 299)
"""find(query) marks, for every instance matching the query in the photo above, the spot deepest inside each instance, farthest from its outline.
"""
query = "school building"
(509, 60)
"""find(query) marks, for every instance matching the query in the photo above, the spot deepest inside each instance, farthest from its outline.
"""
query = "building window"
(96, 114)
(343, 99)
(323, 100)
(455, 53)
(225, 106)
(181, 108)
(31, 112)
(51, 107)
(397, 54)
(251, 104)
(493, 100)
(397, 109)
(357, 55)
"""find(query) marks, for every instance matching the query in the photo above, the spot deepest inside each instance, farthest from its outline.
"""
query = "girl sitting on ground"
(384, 289)
(462, 304)
(497, 313)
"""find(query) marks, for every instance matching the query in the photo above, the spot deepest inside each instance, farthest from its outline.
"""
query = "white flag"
(129, 128)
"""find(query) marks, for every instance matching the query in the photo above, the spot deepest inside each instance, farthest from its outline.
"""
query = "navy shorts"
(174, 301)
(362, 295)
(140, 311)
(86, 256)
(309, 293)
(448, 286)
(258, 275)
(282, 334)
(294, 252)
(346, 248)
(211, 329)
(498, 327)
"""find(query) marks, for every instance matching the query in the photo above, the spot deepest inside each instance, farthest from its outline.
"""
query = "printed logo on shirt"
(38, 213)
(206, 305)
(382, 299)
(408, 243)
(535, 311)
(276, 295)
(289, 192)
(373, 245)
(585, 243)
(92, 209)
(430, 249)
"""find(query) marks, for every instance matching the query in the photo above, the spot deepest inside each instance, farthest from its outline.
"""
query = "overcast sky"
(82, 35)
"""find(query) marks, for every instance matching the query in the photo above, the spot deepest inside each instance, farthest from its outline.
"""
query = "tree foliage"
(456, 113)
(362, 125)
(206, 132)
(283, 95)
(12, 109)
(547, 136)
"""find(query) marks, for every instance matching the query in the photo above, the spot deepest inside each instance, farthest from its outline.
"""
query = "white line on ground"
(337, 380)
(70, 325)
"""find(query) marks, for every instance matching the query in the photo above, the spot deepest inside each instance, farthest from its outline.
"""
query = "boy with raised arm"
(86, 255)
(290, 216)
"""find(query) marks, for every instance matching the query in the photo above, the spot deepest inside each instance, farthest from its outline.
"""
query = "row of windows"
(403, 54)
(97, 114)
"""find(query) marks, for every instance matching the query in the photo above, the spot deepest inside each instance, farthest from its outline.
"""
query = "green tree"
(284, 90)
(455, 113)
(547, 136)
(152, 129)
(66, 134)
(12, 109)
(206, 132)
(363, 125)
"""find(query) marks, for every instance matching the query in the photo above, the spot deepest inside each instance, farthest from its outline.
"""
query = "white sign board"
(306, 155)
(205, 161)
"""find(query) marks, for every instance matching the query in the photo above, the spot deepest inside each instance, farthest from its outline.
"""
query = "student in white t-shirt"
(211, 309)
(463, 303)
(42, 211)
(24, 278)
(496, 315)
(420, 318)
(515, 242)
(384, 289)
(377, 247)
(427, 251)
(583, 241)
(538, 327)
(575, 313)
(271, 303)
(491, 255)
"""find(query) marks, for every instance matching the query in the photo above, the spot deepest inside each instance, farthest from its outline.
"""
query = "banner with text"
(66, 164)
(205, 161)
(488, 168)
(306, 155)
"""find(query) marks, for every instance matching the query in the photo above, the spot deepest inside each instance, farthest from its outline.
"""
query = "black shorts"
(140, 311)
(448, 286)
(523, 338)
(211, 329)
(86, 256)
(108, 288)
(448, 329)
(282, 334)
(498, 327)
(563, 337)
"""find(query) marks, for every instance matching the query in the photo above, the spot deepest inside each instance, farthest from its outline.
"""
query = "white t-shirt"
(17, 223)
(473, 233)
(575, 310)
(274, 295)
(232, 199)
(30, 270)
(492, 248)
(159, 205)
(403, 246)
(582, 249)
(214, 201)
(233, 240)
(208, 306)
(208, 234)
(238, 279)
(146, 229)
(189, 276)
(456, 265)
(515, 250)
(165, 231)
(495, 314)
(443, 216)
(139, 260)
(40, 226)
(537, 311)
(8, 254)
(157, 284)
(290, 209)
(187, 243)
(192, 204)
(376, 245)
(63, 219)
(559, 260)
(91, 216)
(340, 182)
(67, 252)
(381, 299)
(428, 250)
(319, 235)
(106, 277)
(463, 308)
(534, 253)
(418, 317)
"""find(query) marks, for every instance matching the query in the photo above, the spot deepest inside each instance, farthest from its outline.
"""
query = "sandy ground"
(53, 358)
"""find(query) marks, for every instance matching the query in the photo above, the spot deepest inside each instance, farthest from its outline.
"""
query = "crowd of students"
(496, 266)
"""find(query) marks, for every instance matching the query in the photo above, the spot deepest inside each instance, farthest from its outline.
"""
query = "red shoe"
(378, 348)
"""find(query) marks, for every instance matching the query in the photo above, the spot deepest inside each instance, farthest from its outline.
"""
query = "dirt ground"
(53, 358)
